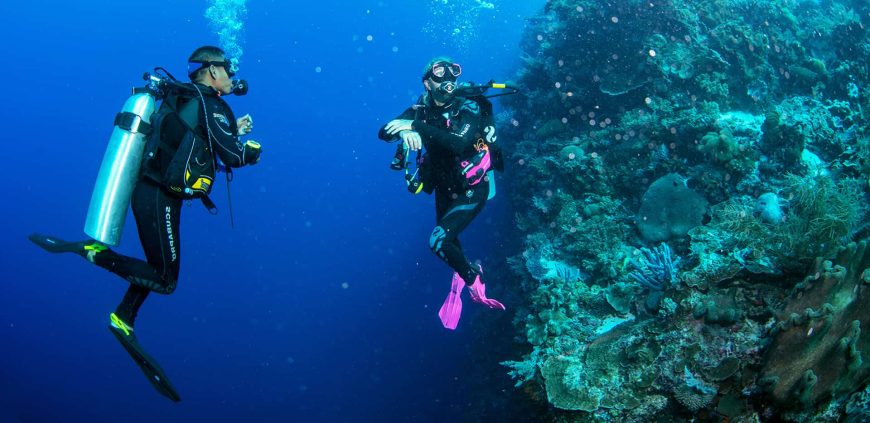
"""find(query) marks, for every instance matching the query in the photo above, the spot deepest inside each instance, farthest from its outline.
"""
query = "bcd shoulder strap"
(187, 114)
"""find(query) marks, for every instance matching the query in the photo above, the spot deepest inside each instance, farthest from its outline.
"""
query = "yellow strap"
(496, 85)
(95, 247)
(118, 323)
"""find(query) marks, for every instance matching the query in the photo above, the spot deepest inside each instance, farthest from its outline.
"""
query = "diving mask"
(230, 65)
(442, 71)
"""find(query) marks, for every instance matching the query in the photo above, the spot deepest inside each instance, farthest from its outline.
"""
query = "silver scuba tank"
(119, 171)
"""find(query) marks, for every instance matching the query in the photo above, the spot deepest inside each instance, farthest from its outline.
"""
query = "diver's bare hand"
(245, 124)
(411, 139)
(398, 125)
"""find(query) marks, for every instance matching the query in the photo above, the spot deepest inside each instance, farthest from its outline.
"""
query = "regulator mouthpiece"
(240, 87)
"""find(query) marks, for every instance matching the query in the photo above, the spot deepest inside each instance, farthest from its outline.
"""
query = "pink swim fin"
(478, 295)
(451, 310)
(478, 292)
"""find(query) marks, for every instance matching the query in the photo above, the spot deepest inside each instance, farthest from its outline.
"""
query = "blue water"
(321, 304)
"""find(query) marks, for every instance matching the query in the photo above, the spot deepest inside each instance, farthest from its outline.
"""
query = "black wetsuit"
(158, 210)
(449, 134)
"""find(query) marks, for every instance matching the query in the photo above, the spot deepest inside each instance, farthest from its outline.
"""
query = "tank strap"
(132, 122)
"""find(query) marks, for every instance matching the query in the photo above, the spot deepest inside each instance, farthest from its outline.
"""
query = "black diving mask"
(196, 65)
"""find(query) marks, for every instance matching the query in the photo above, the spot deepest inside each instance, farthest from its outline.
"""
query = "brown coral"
(816, 350)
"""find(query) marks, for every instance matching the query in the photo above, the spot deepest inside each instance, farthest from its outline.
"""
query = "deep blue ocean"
(321, 304)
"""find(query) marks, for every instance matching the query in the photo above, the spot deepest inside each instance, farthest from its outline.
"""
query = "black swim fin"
(145, 362)
(87, 248)
(56, 245)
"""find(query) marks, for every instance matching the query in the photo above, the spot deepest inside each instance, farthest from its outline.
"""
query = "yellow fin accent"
(118, 323)
(96, 247)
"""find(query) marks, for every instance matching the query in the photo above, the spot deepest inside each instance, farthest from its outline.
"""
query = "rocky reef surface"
(691, 185)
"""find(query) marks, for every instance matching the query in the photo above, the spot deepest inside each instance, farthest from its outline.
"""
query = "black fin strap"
(210, 205)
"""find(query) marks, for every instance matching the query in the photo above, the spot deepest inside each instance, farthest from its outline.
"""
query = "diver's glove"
(252, 152)
(398, 125)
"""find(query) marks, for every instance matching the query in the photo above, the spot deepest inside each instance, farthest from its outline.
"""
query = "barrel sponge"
(669, 209)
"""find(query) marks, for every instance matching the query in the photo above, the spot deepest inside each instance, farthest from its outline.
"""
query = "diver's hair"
(434, 61)
(205, 54)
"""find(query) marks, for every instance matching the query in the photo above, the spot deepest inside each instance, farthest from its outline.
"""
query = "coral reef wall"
(691, 184)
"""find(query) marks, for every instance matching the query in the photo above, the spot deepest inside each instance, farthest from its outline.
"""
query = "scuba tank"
(122, 163)
(119, 171)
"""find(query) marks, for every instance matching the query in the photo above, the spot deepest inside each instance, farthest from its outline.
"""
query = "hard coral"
(719, 145)
(817, 349)
(565, 387)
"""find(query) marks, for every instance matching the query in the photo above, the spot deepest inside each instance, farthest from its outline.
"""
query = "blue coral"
(568, 273)
(655, 269)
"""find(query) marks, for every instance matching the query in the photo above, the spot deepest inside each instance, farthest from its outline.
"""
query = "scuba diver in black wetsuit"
(193, 126)
(458, 135)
